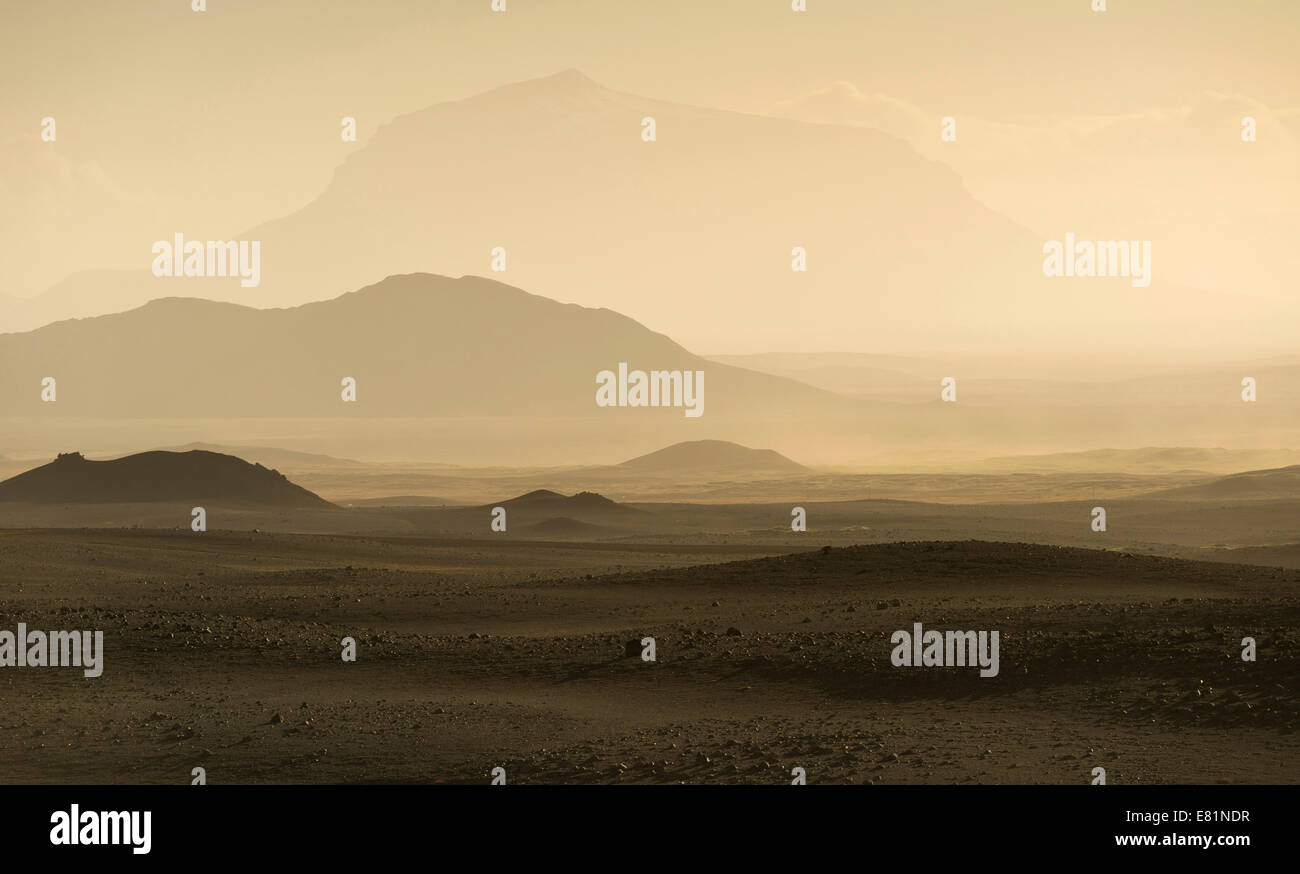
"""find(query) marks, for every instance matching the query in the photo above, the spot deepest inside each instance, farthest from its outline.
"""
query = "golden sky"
(1068, 119)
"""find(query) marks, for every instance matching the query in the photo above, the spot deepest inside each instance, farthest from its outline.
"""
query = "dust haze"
(610, 406)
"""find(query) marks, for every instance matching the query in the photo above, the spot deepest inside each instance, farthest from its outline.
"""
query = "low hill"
(1282, 482)
(157, 477)
(545, 499)
(712, 456)
(1036, 571)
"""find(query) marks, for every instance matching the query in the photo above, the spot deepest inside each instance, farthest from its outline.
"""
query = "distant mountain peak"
(572, 81)
(539, 495)
(424, 283)
(571, 76)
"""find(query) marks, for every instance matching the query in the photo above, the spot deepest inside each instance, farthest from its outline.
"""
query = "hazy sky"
(217, 121)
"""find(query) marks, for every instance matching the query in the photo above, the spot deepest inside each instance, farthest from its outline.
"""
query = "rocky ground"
(222, 650)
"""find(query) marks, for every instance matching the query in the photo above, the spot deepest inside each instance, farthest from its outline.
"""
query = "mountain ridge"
(417, 345)
(422, 194)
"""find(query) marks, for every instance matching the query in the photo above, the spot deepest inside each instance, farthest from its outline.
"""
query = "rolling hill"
(1275, 484)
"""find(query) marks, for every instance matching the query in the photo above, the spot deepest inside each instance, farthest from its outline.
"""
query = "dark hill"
(155, 477)
(545, 499)
(1044, 570)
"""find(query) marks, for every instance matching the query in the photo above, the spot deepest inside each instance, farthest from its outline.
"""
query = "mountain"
(417, 345)
(712, 457)
(90, 293)
(1279, 483)
(556, 172)
(156, 477)
(694, 234)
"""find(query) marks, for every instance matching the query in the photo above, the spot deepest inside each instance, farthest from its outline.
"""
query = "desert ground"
(222, 651)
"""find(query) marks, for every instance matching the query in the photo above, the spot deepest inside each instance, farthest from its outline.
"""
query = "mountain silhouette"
(555, 171)
(417, 345)
(156, 477)
(693, 233)
(712, 456)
